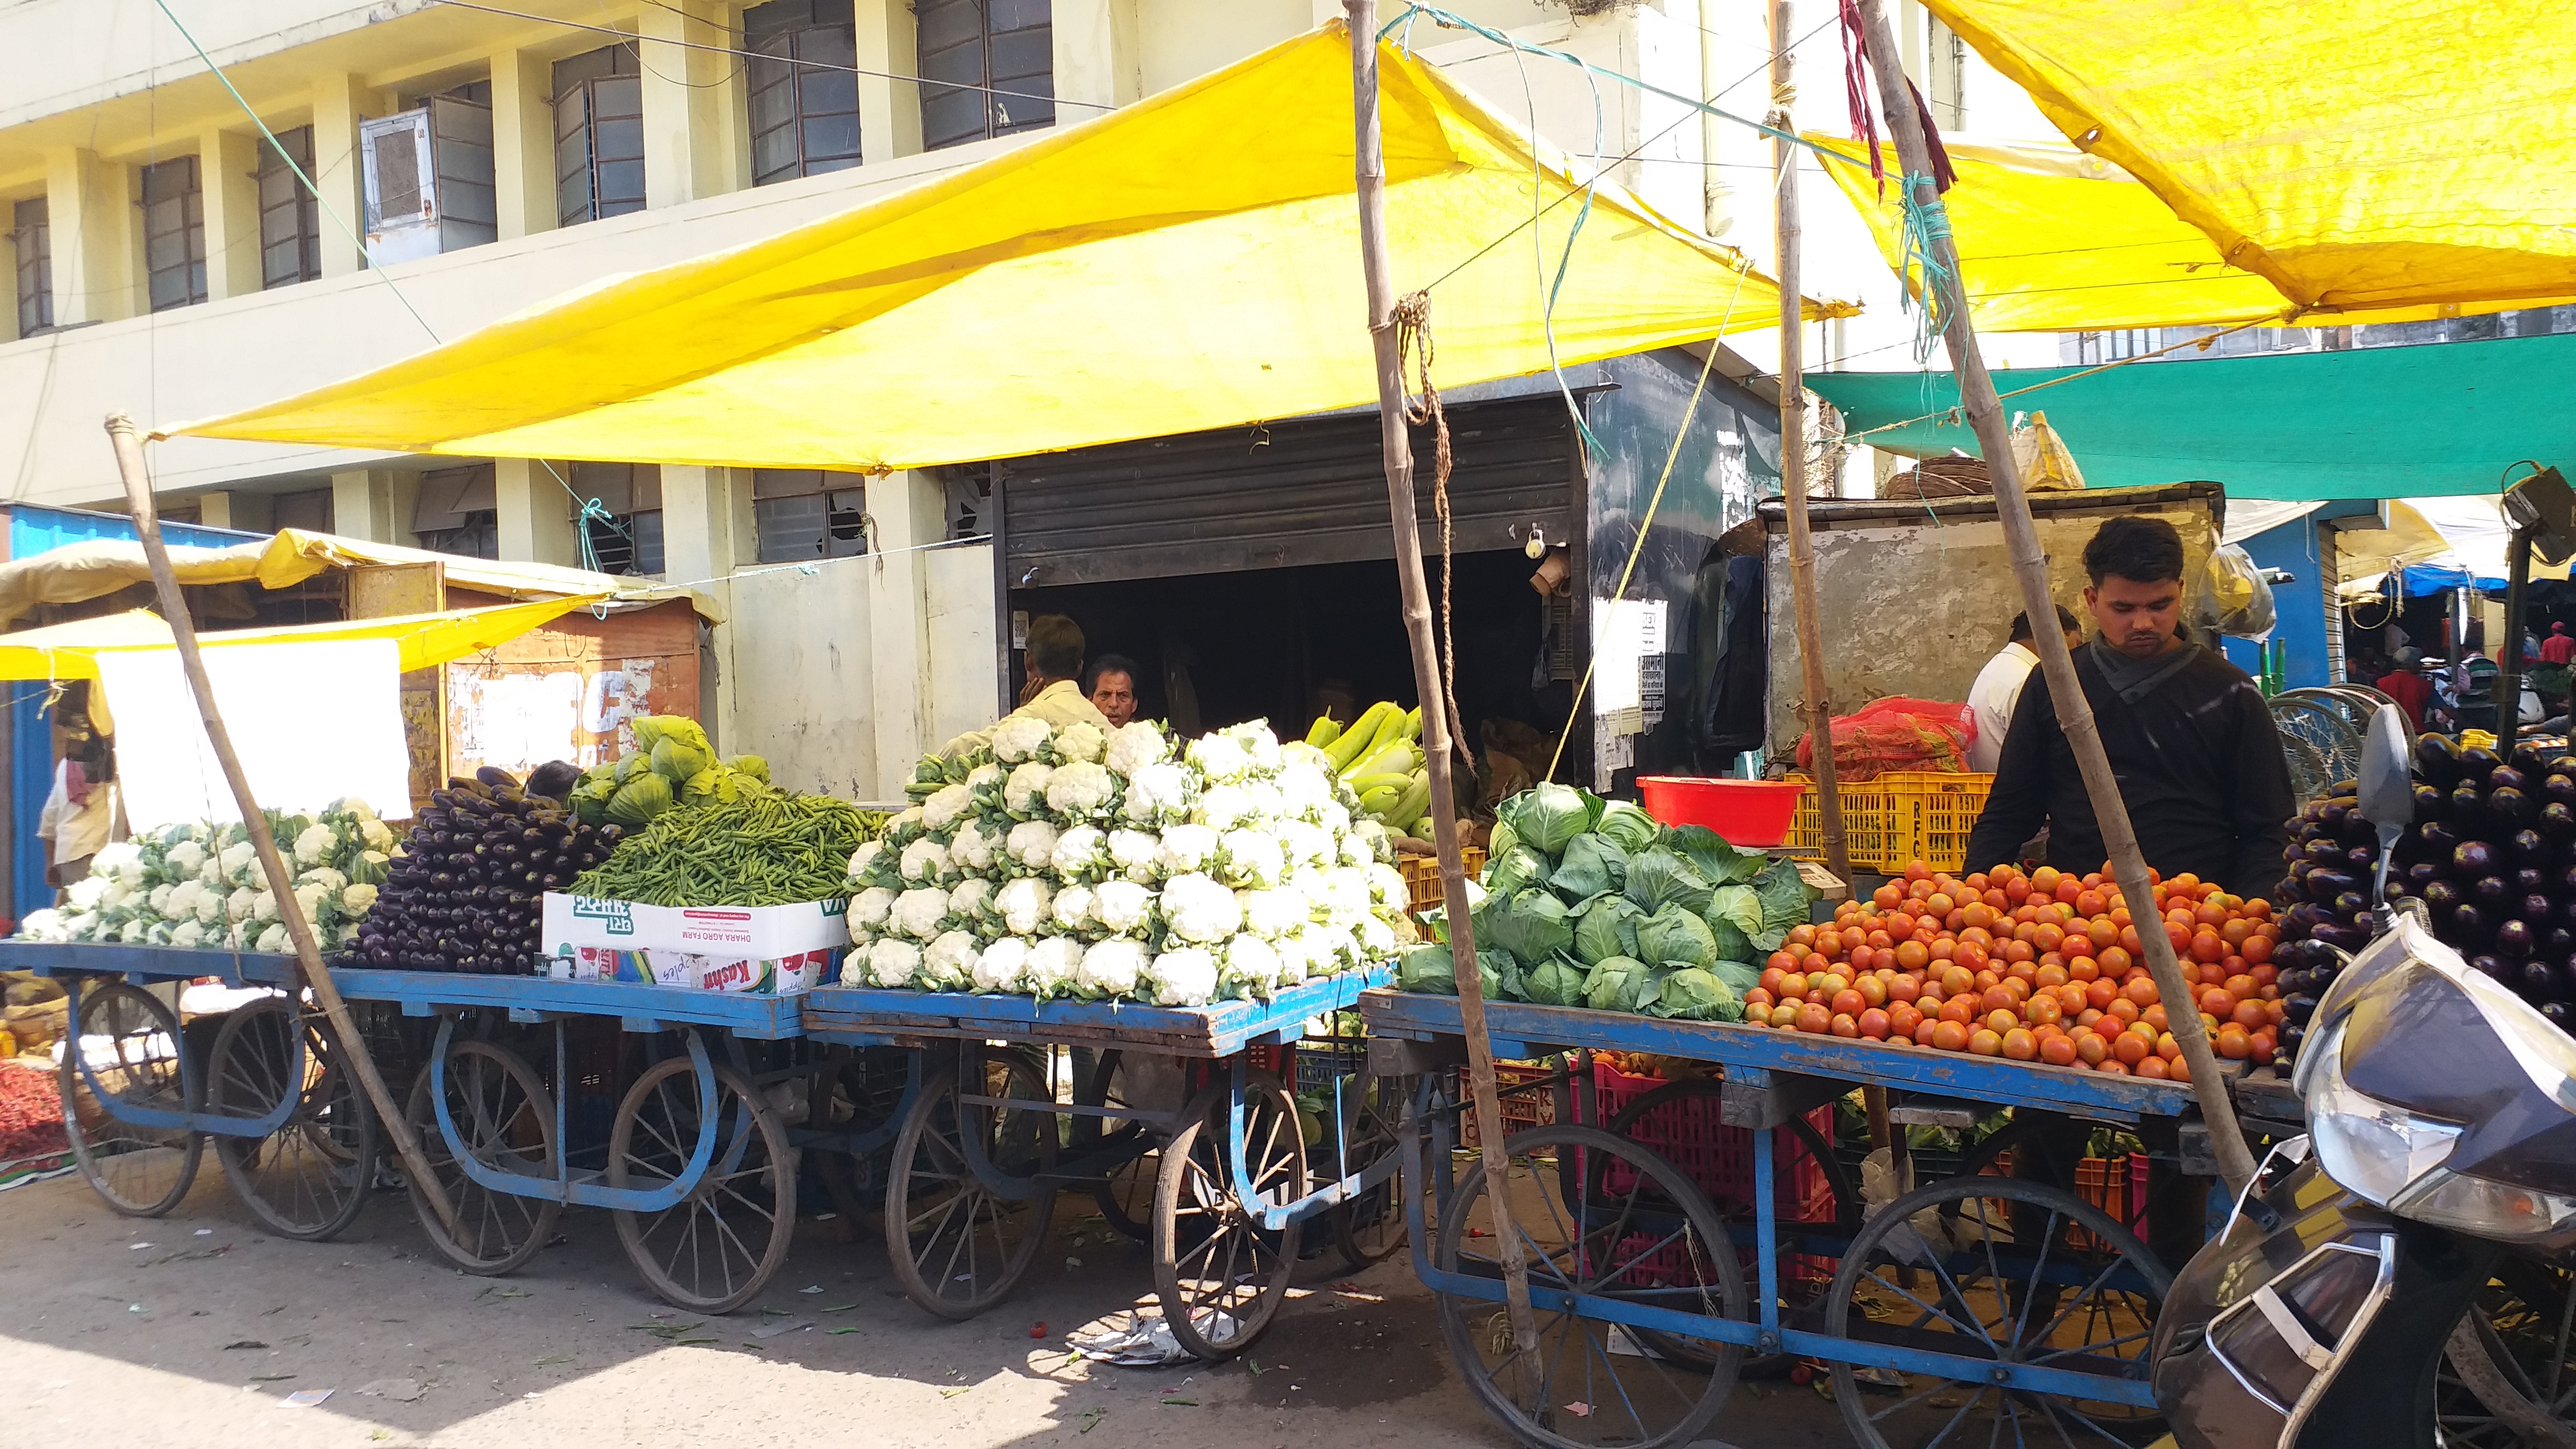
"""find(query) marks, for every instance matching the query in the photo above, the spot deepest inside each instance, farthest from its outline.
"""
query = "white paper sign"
(310, 722)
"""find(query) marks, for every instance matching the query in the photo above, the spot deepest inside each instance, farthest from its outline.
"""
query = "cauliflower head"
(1134, 746)
(1199, 910)
(871, 907)
(1081, 741)
(1082, 790)
(892, 962)
(1002, 965)
(1184, 977)
(1111, 968)
(920, 913)
(1026, 904)
(1019, 737)
(1055, 963)
(1122, 907)
(1032, 843)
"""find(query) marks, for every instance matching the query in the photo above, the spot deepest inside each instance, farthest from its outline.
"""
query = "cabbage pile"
(1591, 903)
(200, 885)
(1111, 865)
(673, 763)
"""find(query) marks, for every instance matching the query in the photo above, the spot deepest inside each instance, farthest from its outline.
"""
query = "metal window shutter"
(1306, 492)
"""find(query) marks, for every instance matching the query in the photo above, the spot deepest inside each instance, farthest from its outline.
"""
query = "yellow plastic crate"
(1895, 819)
(1422, 875)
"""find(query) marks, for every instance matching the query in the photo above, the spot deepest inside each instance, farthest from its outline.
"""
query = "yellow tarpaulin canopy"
(2054, 240)
(70, 651)
(96, 567)
(1186, 263)
(2354, 154)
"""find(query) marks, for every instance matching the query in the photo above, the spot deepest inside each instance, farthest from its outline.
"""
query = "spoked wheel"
(1654, 1242)
(309, 1178)
(131, 1041)
(856, 1092)
(1831, 1207)
(505, 1120)
(1222, 1275)
(2526, 1320)
(1368, 1228)
(1126, 1192)
(719, 1244)
(960, 1244)
(2002, 1271)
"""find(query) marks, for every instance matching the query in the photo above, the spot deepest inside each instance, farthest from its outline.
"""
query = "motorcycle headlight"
(2487, 1208)
(2369, 1147)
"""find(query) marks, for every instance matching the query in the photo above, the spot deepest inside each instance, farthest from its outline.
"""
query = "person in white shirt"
(82, 812)
(1999, 684)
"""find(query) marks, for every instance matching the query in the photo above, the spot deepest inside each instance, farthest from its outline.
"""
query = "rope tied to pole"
(1926, 281)
(1413, 338)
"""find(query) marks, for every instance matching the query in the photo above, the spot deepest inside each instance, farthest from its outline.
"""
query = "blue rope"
(592, 508)
(1927, 282)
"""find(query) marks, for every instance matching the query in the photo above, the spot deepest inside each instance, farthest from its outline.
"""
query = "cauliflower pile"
(1124, 865)
(201, 886)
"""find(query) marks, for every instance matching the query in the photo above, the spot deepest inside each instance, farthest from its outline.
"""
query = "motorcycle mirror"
(2387, 787)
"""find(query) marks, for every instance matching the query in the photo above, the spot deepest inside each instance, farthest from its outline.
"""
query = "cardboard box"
(764, 950)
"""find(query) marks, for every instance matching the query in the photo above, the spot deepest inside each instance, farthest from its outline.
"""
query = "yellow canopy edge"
(2355, 154)
(70, 651)
(1185, 263)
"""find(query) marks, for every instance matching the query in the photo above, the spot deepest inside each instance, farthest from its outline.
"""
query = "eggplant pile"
(2492, 855)
(467, 895)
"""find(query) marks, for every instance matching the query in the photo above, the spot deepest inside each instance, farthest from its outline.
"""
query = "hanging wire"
(1924, 281)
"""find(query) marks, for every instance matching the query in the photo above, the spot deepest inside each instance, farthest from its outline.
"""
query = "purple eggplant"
(2474, 858)
(2323, 852)
(2561, 1015)
(2477, 762)
(2471, 924)
(2424, 873)
(2531, 880)
(2440, 836)
(2527, 847)
(2468, 804)
(2512, 807)
(2362, 859)
(2506, 777)
(2339, 936)
(2497, 968)
(2513, 941)
(2558, 818)
(2441, 895)
(2537, 909)
(2432, 802)
(2437, 758)
(2538, 980)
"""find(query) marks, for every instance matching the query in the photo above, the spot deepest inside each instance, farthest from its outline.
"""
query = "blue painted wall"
(31, 764)
(2299, 607)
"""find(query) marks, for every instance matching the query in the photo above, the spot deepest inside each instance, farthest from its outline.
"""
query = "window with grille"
(803, 513)
(174, 234)
(455, 511)
(804, 94)
(290, 233)
(629, 540)
(1005, 47)
(599, 135)
(33, 236)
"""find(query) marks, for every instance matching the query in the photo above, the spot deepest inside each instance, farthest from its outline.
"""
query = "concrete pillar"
(705, 521)
(534, 512)
(8, 268)
(228, 170)
(909, 508)
(694, 140)
(97, 237)
(1095, 56)
(889, 109)
(340, 102)
(523, 142)
(250, 512)
(374, 504)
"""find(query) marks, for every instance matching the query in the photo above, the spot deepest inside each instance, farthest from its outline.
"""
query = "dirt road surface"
(192, 1329)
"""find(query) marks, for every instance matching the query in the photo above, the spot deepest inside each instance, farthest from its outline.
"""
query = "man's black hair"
(1055, 646)
(1109, 664)
(2141, 550)
(2066, 624)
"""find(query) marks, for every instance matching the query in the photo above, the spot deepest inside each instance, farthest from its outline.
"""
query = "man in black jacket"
(2190, 738)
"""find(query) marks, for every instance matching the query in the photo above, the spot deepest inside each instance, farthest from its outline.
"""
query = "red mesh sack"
(1896, 734)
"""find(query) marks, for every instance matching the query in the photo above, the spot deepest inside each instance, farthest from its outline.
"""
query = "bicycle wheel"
(729, 1233)
(1655, 1241)
(308, 1179)
(1220, 1273)
(2007, 1272)
(958, 1246)
(132, 1044)
(2527, 1323)
(505, 1121)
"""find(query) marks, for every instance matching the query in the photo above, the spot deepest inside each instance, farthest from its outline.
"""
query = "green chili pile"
(766, 848)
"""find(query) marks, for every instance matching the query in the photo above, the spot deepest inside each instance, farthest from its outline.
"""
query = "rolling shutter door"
(1290, 494)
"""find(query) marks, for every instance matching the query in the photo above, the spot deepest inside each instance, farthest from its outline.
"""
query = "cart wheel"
(855, 1091)
(717, 1246)
(505, 1120)
(1222, 1276)
(309, 1178)
(1126, 1193)
(2527, 1322)
(132, 1042)
(2027, 1274)
(1369, 1228)
(958, 1246)
(1669, 1112)
(1656, 1243)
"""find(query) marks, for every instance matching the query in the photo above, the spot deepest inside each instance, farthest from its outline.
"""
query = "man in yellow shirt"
(1053, 692)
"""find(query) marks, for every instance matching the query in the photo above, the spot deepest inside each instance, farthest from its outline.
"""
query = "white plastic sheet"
(310, 722)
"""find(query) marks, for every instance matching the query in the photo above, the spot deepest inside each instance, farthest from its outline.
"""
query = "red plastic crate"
(1719, 1158)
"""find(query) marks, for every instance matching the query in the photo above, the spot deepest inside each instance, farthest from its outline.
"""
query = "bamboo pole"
(1818, 705)
(2030, 565)
(281, 881)
(1397, 446)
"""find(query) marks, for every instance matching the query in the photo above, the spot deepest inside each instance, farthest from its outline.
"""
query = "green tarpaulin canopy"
(2381, 422)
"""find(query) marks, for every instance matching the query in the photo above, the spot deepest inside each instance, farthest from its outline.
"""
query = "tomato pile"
(2046, 966)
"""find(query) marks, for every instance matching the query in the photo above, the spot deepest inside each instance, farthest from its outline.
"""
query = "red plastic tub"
(1754, 814)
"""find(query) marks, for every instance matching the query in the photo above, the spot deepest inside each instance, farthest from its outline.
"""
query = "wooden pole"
(2030, 565)
(1397, 446)
(281, 881)
(1818, 706)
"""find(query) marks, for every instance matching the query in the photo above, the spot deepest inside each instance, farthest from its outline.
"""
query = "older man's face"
(1114, 695)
